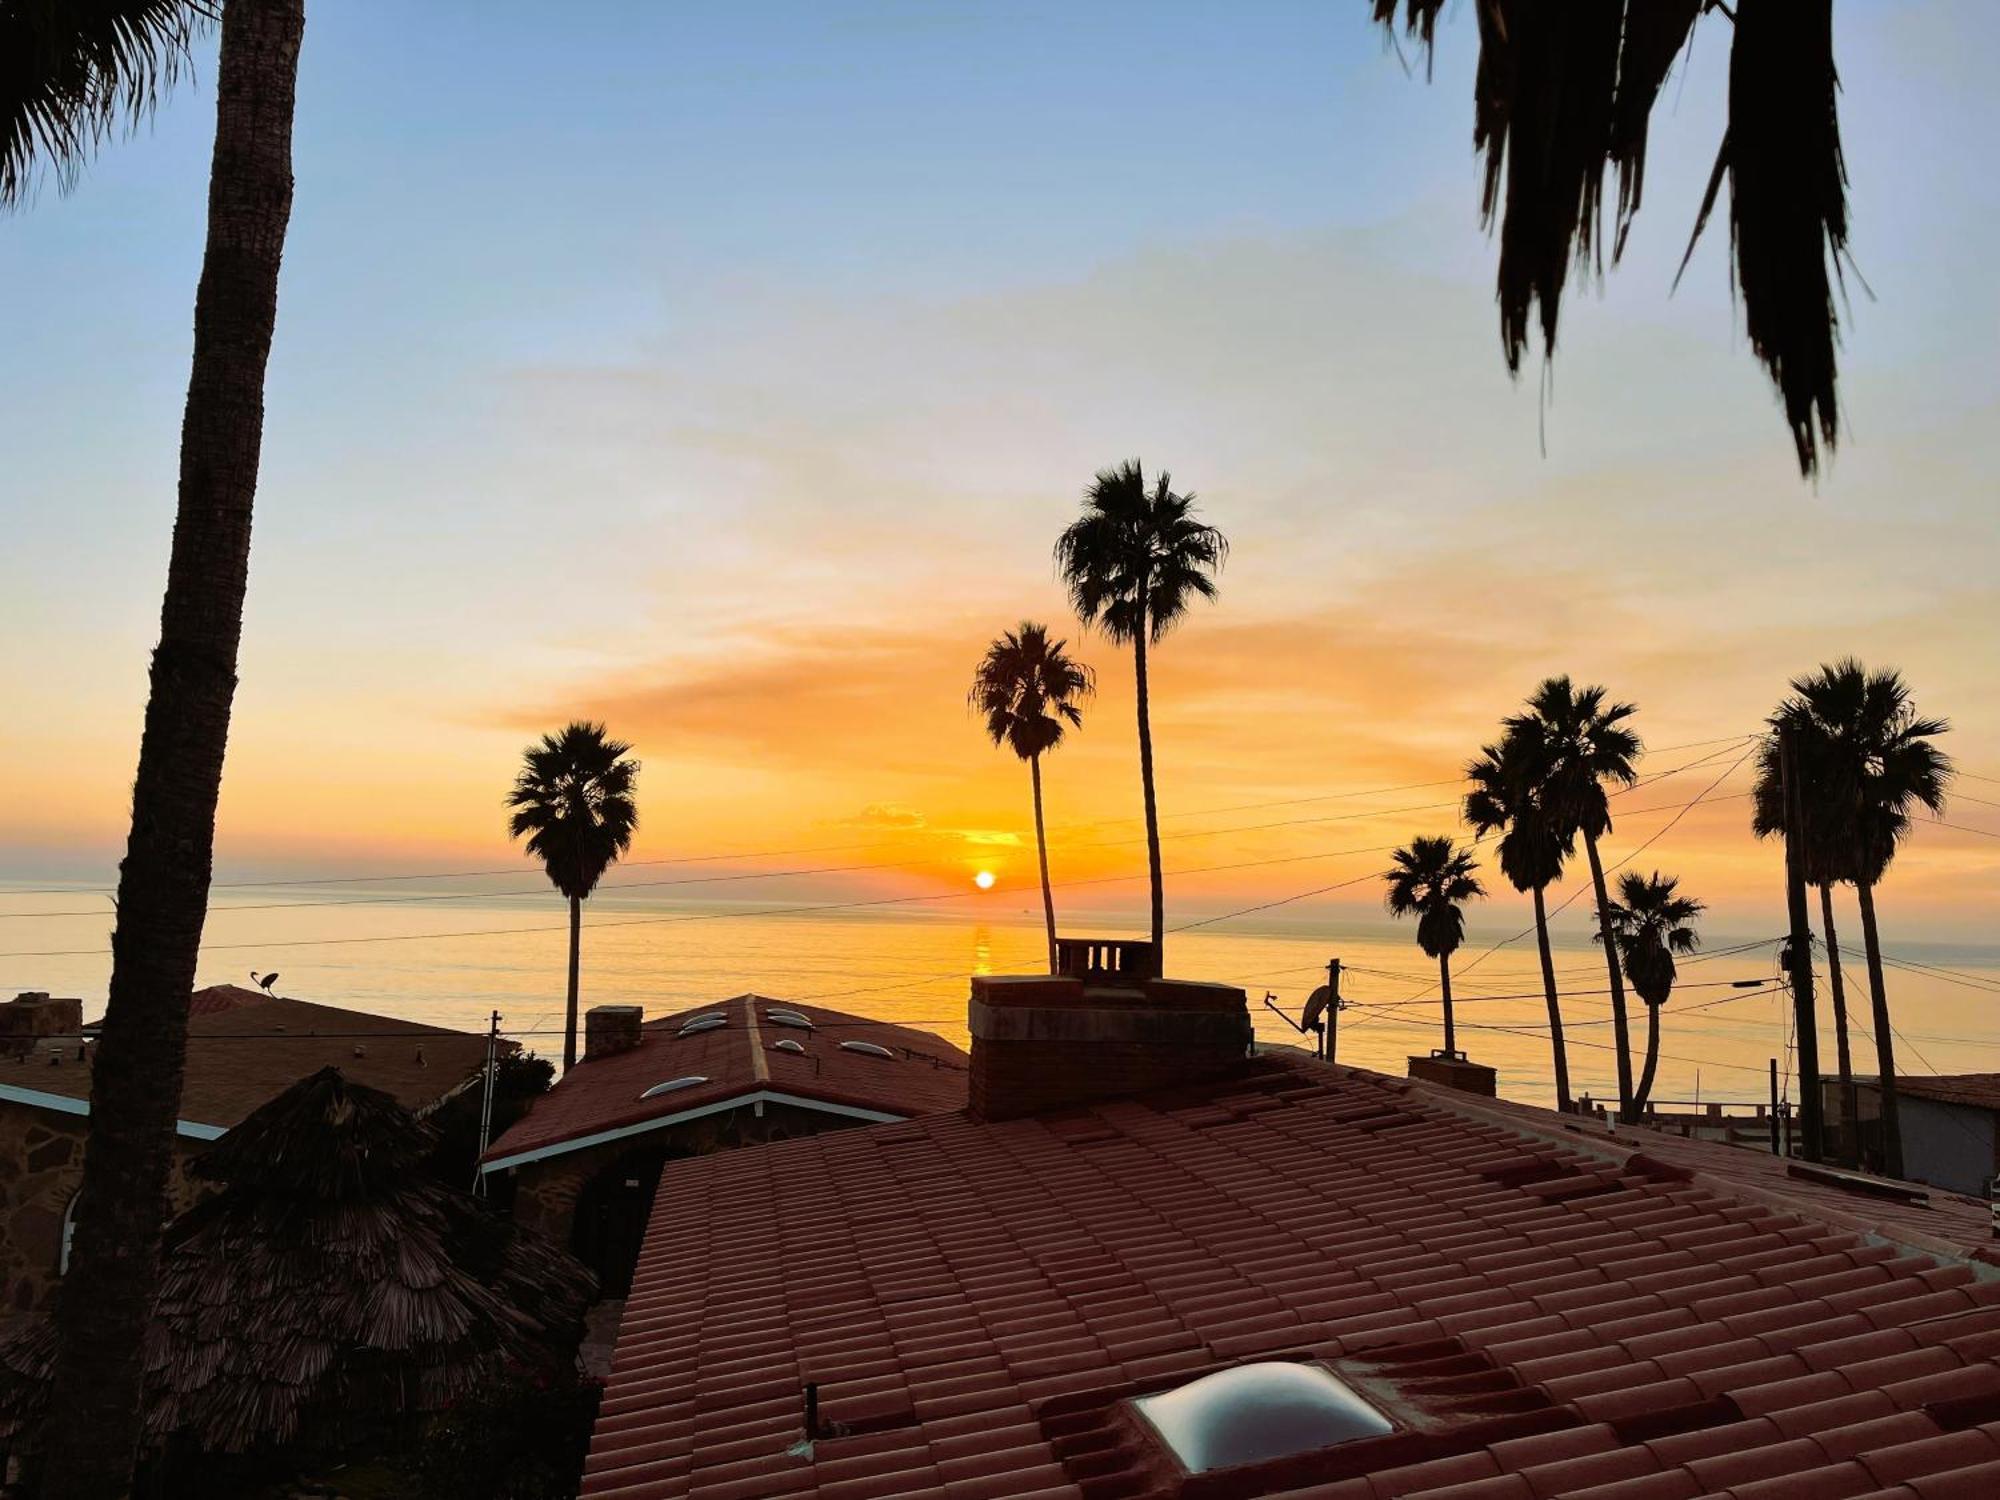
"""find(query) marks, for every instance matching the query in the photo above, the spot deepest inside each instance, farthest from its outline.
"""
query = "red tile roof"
(1974, 1090)
(1546, 1313)
(244, 1048)
(924, 1073)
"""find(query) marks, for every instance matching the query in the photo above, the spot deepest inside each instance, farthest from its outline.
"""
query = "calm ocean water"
(912, 967)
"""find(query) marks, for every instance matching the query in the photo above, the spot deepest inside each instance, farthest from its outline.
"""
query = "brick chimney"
(611, 1029)
(1045, 1042)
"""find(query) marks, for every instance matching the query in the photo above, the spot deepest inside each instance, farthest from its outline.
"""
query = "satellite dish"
(1315, 1009)
(265, 981)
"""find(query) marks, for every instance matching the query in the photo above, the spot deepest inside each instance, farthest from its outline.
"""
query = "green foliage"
(1026, 688)
(522, 1077)
(521, 1438)
(574, 801)
(1651, 922)
(1137, 558)
(1430, 880)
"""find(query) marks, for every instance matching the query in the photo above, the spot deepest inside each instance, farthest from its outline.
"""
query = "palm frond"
(575, 799)
(73, 72)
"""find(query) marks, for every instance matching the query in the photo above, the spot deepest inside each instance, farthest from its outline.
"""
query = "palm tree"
(1506, 795)
(1866, 764)
(1651, 922)
(69, 76)
(1828, 857)
(1133, 562)
(1430, 880)
(573, 799)
(1577, 743)
(1027, 687)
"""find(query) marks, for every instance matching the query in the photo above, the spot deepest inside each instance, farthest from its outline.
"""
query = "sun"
(984, 880)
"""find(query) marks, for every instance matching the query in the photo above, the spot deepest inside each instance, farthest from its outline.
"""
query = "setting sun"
(984, 880)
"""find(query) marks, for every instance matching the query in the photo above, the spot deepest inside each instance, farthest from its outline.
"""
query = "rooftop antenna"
(265, 981)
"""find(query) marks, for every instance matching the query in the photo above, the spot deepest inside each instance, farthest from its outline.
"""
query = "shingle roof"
(1572, 1316)
(245, 1048)
(1974, 1090)
(923, 1074)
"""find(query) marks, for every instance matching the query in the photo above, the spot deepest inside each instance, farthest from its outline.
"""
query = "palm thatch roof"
(330, 1289)
(1565, 90)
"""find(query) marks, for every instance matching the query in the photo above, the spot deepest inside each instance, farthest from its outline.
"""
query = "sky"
(726, 372)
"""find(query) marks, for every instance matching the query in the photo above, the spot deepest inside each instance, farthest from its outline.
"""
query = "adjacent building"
(1950, 1125)
(1144, 1265)
(583, 1163)
(244, 1048)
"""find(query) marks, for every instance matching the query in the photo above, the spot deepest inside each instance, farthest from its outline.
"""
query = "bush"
(520, 1438)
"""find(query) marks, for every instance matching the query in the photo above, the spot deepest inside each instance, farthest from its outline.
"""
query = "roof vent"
(700, 1024)
(1254, 1413)
(788, 1018)
(788, 1045)
(868, 1049)
(672, 1084)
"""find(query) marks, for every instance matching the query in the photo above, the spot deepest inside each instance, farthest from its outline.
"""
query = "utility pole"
(1332, 1008)
(1810, 1100)
(486, 1104)
(1776, 1148)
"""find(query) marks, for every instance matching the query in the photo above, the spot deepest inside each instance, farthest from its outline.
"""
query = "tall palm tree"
(1866, 764)
(1027, 688)
(70, 76)
(1134, 561)
(1828, 856)
(1651, 922)
(1506, 797)
(1431, 880)
(573, 799)
(1578, 742)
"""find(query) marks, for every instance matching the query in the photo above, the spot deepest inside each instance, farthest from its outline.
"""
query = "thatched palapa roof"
(331, 1287)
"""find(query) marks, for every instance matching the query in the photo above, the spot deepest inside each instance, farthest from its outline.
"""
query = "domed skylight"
(1258, 1412)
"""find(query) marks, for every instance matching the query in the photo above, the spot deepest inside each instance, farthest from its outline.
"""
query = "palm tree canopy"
(73, 71)
(1430, 879)
(574, 801)
(1027, 689)
(1651, 922)
(1506, 795)
(1866, 764)
(1577, 742)
(1137, 557)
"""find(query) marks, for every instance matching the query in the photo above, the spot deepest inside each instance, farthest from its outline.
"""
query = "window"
(867, 1049)
(673, 1084)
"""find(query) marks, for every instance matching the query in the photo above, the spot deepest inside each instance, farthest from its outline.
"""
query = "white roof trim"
(661, 1122)
(64, 1104)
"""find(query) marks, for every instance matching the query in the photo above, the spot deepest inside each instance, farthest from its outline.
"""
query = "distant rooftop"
(246, 1047)
(733, 1052)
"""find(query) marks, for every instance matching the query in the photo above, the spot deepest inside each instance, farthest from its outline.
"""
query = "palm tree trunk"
(1560, 1050)
(107, 1296)
(1042, 853)
(575, 967)
(1621, 1030)
(1885, 1049)
(1850, 1101)
(1152, 804)
(1444, 988)
(1643, 1099)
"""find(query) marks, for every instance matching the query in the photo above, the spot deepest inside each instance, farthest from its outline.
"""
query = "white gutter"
(65, 1105)
(758, 1097)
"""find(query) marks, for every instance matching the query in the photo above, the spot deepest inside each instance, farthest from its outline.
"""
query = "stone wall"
(41, 1167)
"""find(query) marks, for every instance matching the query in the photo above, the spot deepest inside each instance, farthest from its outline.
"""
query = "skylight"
(672, 1084)
(788, 1045)
(788, 1018)
(1258, 1412)
(702, 1023)
(867, 1048)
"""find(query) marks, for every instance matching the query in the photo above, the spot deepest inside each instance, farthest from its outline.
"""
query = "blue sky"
(629, 354)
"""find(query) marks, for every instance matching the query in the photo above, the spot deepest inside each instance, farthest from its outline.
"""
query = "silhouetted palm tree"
(70, 76)
(1506, 798)
(1828, 854)
(1651, 922)
(573, 799)
(1134, 561)
(1431, 880)
(1577, 743)
(1027, 688)
(1866, 764)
